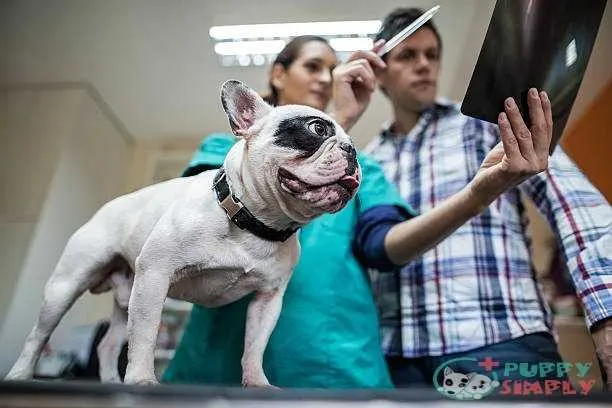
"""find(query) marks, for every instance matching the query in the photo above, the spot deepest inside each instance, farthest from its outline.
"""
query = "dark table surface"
(90, 394)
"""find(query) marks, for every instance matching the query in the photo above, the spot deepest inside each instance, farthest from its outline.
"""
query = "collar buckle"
(241, 216)
(230, 206)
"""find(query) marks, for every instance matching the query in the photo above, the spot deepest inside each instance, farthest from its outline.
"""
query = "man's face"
(410, 79)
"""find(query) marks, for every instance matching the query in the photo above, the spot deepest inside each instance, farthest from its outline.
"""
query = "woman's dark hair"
(401, 17)
(286, 57)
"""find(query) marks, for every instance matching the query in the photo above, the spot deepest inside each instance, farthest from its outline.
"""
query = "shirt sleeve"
(380, 208)
(372, 227)
(581, 219)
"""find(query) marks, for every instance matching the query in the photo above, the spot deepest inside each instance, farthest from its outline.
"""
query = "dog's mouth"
(294, 185)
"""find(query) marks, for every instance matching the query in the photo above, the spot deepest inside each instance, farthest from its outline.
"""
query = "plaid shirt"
(477, 287)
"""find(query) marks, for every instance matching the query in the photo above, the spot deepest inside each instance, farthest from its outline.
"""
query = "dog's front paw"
(19, 375)
(261, 385)
(141, 380)
(115, 379)
(148, 382)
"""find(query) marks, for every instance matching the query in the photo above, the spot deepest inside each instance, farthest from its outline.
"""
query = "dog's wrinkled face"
(302, 153)
(316, 159)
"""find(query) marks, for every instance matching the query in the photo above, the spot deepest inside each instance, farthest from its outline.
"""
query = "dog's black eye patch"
(304, 133)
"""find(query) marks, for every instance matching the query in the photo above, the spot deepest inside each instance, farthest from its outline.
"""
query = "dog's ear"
(243, 106)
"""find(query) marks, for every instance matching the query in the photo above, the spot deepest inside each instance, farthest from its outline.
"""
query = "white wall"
(65, 159)
(32, 126)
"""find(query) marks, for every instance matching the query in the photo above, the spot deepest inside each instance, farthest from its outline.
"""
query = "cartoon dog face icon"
(479, 385)
(454, 383)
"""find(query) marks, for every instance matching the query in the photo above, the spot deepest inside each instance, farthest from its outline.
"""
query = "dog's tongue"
(349, 182)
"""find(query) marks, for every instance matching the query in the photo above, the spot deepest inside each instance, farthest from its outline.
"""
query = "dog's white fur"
(173, 239)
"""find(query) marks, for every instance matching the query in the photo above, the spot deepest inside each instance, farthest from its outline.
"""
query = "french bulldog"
(208, 239)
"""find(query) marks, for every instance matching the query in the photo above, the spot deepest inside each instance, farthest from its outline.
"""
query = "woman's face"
(308, 79)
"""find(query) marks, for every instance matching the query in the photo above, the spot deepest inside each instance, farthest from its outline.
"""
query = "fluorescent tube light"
(284, 30)
(274, 46)
(249, 47)
(351, 43)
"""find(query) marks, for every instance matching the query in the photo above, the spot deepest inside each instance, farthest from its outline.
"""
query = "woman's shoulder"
(211, 152)
(367, 160)
(376, 189)
(371, 171)
(221, 138)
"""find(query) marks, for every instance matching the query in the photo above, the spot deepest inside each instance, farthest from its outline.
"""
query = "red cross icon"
(488, 364)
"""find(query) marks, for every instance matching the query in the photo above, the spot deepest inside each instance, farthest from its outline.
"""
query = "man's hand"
(602, 337)
(353, 85)
(522, 152)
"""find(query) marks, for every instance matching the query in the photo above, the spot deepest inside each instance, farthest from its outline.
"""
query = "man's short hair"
(399, 19)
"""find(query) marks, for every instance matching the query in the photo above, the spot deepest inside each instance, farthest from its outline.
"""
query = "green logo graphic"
(463, 386)
(510, 378)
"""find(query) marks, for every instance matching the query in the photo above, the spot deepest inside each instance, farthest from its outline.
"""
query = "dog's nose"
(351, 157)
(347, 147)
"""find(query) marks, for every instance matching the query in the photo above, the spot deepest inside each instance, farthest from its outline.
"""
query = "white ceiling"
(153, 64)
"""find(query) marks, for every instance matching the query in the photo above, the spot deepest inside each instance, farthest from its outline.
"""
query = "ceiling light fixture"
(284, 30)
(255, 44)
(351, 43)
(249, 47)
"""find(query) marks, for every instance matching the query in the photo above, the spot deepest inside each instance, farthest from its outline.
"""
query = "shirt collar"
(441, 107)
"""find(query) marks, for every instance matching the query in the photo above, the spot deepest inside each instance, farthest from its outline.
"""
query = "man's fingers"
(539, 127)
(520, 130)
(547, 114)
(511, 147)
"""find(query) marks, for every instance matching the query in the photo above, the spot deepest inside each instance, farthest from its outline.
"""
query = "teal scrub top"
(327, 335)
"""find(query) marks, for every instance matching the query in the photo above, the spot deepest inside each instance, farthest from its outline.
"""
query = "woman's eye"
(318, 128)
(312, 67)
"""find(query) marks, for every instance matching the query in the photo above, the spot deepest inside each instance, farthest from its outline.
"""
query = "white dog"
(209, 239)
(453, 383)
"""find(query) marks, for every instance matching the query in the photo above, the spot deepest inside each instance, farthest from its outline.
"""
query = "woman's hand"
(353, 84)
(522, 152)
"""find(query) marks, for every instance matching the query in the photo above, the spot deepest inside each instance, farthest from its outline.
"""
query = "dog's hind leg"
(111, 344)
(73, 275)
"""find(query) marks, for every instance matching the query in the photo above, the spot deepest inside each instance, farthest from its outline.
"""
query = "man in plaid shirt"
(475, 294)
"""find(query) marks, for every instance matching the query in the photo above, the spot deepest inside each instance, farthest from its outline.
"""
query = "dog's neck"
(256, 196)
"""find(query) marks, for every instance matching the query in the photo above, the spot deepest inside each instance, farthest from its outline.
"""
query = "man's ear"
(380, 82)
(243, 106)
